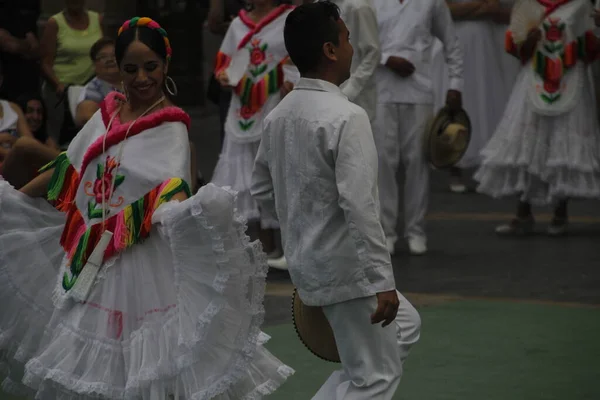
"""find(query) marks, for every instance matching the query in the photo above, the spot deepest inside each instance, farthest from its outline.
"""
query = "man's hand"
(488, 9)
(401, 66)
(387, 308)
(286, 88)
(454, 100)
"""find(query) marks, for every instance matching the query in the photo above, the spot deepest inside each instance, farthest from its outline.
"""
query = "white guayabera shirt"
(317, 168)
(407, 29)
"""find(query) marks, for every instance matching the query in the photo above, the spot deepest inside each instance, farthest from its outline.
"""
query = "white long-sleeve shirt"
(361, 20)
(407, 29)
(317, 167)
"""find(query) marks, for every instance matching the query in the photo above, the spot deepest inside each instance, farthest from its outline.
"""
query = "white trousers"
(398, 134)
(371, 356)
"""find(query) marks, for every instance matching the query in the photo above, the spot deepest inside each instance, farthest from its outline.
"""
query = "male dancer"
(405, 105)
(360, 19)
(317, 168)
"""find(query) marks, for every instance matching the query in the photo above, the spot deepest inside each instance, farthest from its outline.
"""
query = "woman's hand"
(223, 79)
(286, 88)
(7, 140)
(60, 90)
(530, 44)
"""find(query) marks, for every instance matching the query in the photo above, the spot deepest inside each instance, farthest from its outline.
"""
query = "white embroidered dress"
(253, 98)
(177, 306)
(547, 145)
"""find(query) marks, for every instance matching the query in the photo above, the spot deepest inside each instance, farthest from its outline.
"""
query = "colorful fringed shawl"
(558, 67)
(258, 91)
(154, 167)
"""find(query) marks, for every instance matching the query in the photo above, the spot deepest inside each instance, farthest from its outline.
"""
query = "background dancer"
(405, 95)
(547, 146)
(259, 32)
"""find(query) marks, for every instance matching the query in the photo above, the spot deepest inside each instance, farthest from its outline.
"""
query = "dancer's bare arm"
(38, 187)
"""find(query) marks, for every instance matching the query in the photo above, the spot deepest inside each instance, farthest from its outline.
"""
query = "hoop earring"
(171, 86)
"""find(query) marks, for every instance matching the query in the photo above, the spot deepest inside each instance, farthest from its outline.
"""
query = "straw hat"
(314, 330)
(447, 138)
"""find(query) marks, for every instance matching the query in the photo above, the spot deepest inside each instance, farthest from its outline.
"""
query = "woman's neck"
(261, 11)
(138, 108)
(75, 14)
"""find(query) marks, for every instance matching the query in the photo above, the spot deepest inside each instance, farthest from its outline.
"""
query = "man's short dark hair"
(307, 29)
(99, 45)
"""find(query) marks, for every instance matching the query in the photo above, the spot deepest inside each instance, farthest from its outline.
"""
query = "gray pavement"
(466, 258)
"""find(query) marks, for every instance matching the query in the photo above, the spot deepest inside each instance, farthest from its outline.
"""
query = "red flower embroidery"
(107, 179)
(551, 87)
(554, 33)
(246, 112)
(105, 174)
(257, 56)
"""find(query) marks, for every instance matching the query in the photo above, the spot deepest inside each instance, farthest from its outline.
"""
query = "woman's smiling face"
(143, 72)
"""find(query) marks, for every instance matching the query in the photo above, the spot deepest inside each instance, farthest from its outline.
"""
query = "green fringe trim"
(61, 165)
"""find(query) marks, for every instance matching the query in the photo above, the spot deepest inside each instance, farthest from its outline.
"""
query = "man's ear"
(330, 51)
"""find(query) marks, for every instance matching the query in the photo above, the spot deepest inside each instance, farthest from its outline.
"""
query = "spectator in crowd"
(107, 79)
(19, 47)
(65, 48)
(12, 126)
(36, 116)
(30, 153)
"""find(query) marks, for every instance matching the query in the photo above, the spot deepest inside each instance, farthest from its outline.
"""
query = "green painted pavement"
(476, 350)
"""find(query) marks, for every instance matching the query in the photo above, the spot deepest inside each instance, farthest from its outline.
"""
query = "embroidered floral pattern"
(552, 62)
(246, 113)
(104, 179)
(258, 57)
(554, 33)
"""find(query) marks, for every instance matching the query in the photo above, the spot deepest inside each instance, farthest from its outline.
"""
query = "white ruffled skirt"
(234, 170)
(178, 314)
(543, 159)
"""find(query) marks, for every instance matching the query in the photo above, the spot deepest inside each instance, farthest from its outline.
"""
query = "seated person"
(29, 153)
(12, 126)
(107, 79)
(36, 115)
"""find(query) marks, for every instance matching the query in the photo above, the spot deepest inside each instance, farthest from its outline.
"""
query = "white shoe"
(458, 188)
(278, 263)
(390, 242)
(417, 245)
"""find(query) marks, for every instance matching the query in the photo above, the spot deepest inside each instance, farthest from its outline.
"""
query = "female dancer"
(547, 145)
(488, 87)
(260, 32)
(157, 294)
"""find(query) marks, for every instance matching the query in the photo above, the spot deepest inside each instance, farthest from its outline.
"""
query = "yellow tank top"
(72, 64)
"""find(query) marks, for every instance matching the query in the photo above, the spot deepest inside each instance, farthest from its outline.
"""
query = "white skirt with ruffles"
(177, 314)
(543, 159)
(234, 169)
